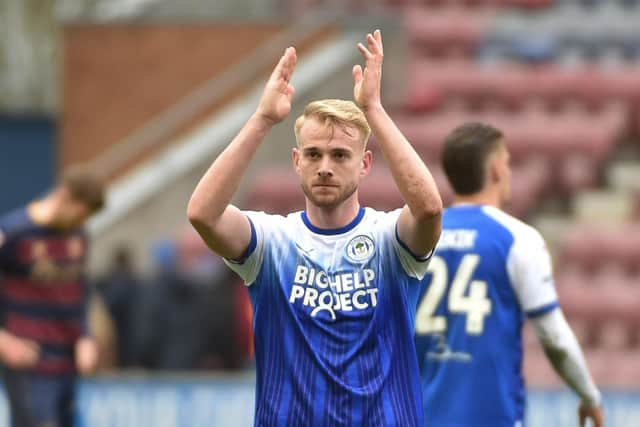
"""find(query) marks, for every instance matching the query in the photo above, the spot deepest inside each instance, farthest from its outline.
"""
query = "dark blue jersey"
(42, 288)
(333, 322)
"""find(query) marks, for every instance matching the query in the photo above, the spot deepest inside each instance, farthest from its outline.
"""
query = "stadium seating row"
(623, 374)
(531, 132)
(613, 249)
(430, 83)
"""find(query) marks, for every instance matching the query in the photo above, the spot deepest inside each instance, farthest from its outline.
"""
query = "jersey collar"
(333, 231)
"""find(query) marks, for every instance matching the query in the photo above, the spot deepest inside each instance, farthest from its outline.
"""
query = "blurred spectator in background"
(44, 339)
(186, 320)
(120, 289)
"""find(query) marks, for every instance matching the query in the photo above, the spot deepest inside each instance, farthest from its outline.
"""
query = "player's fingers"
(291, 90)
(290, 63)
(598, 419)
(373, 44)
(280, 66)
(582, 417)
(378, 36)
(357, 74)
(365, 52)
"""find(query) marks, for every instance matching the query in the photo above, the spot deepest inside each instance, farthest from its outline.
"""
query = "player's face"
(330, 160)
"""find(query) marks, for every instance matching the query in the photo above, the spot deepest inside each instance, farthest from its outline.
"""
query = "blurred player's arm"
(15, 352)
(86, 352)
(224, 228)
(531, 273)
(86, 355)
(564, 353)
(419, 224)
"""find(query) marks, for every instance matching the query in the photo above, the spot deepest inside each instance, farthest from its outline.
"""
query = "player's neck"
(330, 218)
(486, 197)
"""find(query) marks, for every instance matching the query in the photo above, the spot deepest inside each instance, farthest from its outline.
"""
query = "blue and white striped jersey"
(488, 271)
(334, 321)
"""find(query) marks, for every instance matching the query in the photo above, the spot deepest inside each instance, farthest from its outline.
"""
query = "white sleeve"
(531, 274)
(414, 265)
(248, 266)
(564, 353)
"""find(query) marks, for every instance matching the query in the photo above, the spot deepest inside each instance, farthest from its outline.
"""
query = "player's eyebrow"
(308, 150)
(342, 151)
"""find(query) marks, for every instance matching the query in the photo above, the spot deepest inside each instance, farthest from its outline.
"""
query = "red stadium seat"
(592, 246)
(623, 373)
(613, 335)
(446, 27)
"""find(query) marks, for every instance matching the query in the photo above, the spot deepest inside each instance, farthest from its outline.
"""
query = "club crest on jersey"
(360, 248)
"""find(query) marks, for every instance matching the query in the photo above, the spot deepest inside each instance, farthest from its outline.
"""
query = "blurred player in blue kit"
(44, 339)
(334, 288)
(489, 271)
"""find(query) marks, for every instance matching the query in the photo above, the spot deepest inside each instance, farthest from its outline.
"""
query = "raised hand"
(367, 82)
(275, 103)
(594, 413)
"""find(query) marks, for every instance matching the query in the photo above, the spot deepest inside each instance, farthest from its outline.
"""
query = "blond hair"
(334, 112)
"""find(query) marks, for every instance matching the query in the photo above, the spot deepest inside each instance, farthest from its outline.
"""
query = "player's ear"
(367, 163)
(295, 157)
(494, 171)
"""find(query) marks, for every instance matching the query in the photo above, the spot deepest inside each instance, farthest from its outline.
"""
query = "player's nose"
(325, 168)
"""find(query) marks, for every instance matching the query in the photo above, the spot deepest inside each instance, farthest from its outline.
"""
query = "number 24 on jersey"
(475, 305)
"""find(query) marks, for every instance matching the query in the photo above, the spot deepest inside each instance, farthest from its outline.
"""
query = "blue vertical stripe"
(301, 408)
(270, 319)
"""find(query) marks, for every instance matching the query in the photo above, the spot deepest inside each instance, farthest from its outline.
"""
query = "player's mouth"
(325, 186)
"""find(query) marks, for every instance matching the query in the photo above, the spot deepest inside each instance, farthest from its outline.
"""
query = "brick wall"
(116, 77)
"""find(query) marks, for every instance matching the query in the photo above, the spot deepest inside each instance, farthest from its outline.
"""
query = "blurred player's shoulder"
(518, 228)
(14, 222)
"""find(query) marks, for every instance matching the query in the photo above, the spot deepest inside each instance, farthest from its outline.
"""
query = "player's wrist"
(372, 109)
(592, 401)
(263, 120)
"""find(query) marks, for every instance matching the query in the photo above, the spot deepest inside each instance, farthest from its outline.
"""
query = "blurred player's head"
(78, 195)
(331, 156)
(476, 162)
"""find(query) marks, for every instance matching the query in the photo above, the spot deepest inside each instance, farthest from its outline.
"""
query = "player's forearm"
(217, 187)
(415, 182)
(564, 353)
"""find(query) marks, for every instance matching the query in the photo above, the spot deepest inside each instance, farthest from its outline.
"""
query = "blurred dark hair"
(465, 153)
(85, 186)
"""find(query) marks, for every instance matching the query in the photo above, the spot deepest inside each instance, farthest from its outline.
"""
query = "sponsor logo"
(324, 293)
(443, 353)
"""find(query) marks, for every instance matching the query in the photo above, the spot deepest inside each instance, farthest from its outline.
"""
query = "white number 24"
(476, 305)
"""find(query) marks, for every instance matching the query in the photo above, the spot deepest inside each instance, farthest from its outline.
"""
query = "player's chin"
(325, 199)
